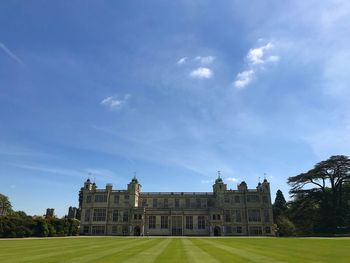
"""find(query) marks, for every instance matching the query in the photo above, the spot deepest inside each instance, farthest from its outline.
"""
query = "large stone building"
(131, 212)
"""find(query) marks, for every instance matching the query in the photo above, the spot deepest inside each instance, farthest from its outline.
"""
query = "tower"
(219, 187)
(134, 189)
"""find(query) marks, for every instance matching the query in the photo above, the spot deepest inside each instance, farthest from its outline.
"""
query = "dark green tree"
(5, 205)
(324, 184)
(279, 206)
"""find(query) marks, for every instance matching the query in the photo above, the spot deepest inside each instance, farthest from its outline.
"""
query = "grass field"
(145, 250)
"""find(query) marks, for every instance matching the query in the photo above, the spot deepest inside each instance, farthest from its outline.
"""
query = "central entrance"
(176, 225)
(217, 231)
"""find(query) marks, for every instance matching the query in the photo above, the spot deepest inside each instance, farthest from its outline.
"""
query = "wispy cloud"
(205, 60)
(231, 179)
(11, 54)
(114, 102)
(181, 61)
(256, 59)
(244, 78)
(202, 73)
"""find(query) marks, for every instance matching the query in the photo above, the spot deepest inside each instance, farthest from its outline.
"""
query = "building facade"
(222, 212)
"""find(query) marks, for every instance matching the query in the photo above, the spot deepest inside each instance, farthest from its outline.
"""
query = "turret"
(134, 189)
(265, 186)
(88, 185)
(219, 186)
(242, 186)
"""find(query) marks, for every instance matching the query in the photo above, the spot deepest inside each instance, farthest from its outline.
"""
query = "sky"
(172, 91)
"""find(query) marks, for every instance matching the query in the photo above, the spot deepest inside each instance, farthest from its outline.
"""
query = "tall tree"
(325, 183)
(5, 205)
(279, 206)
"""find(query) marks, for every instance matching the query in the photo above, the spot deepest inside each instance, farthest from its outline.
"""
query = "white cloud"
(181, 61)
(10, 54)
(243, 78)
(273, 59)
(256, 55)
(231, 179)
(113, 102)
(202, 73)
(205, 60)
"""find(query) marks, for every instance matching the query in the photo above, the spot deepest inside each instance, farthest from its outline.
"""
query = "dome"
(218, 180)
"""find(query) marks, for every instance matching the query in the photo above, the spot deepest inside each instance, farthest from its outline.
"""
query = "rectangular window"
(126, 197)
(239, 230)
(254, 215)
(255, 230)
(238, 216)
(98, 230)
(155, 202)
(268, 230)
(237, 199)
(189, 222)
(252, 198)
(116, 199)
(228, 229)
(88, 199)
(201, 222)
(177, 202)
(164, 222)
(87, 215)
(144, 202)
(114, 229)
(125, 217)
(227, 199)
(204, 203)
(166, 203)
(152, 222)
(198, 203)
(188, 203)
(86, 230)
(266, 215)
(115, 216)
(99, 215)
(100, 198)
(227, 216)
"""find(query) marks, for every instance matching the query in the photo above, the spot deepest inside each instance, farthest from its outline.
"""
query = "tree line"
(19, 224)
(320, 201)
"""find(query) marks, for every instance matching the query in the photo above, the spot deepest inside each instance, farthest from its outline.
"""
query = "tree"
(5, 205)
(324, 183)
(279, 207)
(285, 226)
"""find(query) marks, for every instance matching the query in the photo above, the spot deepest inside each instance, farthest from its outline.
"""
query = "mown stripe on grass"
(149, 255)
(173, 253)
(113, 254)
(253, 257)
(195, 253)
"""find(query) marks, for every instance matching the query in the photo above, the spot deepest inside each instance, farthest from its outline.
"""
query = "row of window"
(164, 222)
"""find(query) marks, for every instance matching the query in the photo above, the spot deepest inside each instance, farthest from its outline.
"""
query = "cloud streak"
(202, 73)
(113, 102)
(10, 54)
(256, 58)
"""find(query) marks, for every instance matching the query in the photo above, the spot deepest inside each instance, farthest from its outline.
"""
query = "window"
(164, 222)
(216, 217)
(152, 222)
(239, 230)
(155, 202)
(99, 214)
(227, 216)
(100, 198)
(237, 199)
(125, 217)
(238, 216)
(177, 202)
(114, 229)
(189, 222)
(201, 222)
(126, 197)
(228, 229)
(87, 215)
(204, 203)
(98, 230)
(86, 229)
(252, 198)
(227, 199)
(255, 230)
(116, 199)
(137, 216)
(198, 203)
(115, 216)
(165, 202)
(266, 215)
(88, 199)
(268, 230)
(254, 215)
(188, 203)
(144, 202)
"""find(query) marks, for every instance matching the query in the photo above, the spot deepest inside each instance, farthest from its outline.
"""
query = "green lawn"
(145, 250)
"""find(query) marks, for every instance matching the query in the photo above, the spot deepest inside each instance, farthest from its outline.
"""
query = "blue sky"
(173, 91)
